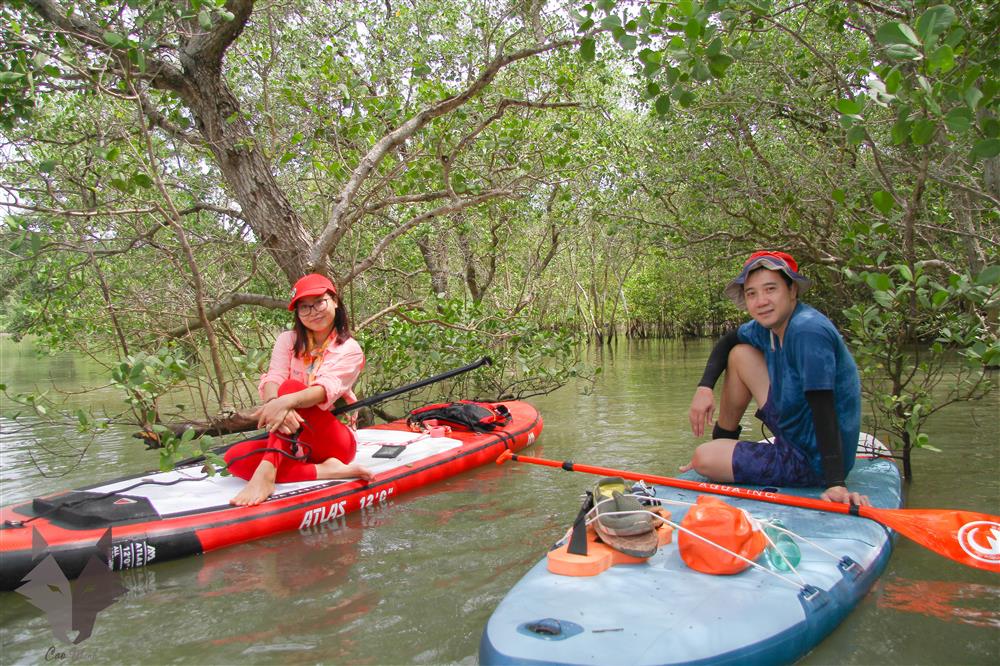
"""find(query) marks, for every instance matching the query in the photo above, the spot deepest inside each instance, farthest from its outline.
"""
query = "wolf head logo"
(71, 606)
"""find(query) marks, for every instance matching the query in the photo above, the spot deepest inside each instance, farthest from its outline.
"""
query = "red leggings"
(322, 437)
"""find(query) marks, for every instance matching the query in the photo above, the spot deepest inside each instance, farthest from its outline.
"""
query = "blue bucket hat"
(775, 261)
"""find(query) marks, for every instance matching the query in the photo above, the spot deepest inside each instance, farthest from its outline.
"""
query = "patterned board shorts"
(774, 463)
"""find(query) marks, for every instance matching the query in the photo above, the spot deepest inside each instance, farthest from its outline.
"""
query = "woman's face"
(316, 312)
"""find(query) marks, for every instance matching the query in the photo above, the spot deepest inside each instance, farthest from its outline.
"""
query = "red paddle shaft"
(971, 538)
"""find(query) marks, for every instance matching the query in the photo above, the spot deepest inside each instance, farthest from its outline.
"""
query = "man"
(794, 364)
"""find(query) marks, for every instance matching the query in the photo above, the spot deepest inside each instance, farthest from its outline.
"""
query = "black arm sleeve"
(827, 436)
(718, 359)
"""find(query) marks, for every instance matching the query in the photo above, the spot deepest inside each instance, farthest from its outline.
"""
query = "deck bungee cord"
(955, 534)
(802, 585)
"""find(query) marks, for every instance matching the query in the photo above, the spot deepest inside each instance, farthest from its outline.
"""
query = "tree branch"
(225, 305)
(324, 243)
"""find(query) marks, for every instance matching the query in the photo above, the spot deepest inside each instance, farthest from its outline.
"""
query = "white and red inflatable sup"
(160, 516)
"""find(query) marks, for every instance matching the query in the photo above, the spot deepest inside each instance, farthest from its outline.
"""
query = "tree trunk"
(247, 172)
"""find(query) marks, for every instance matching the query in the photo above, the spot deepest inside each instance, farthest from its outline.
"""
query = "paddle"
(971, 538)
(486, 360)
(372, 400)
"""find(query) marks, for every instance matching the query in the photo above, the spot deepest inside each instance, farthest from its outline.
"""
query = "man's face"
(770, 300)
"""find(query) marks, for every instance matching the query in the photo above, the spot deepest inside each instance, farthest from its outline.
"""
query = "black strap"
(827, 436)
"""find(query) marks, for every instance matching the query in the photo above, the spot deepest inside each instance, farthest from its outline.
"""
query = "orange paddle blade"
(967, 537)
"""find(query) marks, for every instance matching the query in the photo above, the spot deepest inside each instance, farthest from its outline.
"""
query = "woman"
(311, 367)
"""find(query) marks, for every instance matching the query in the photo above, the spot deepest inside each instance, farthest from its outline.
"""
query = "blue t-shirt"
(813, 357)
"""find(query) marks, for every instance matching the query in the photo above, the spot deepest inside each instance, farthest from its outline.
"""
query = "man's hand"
(702, 412)
(844, 496)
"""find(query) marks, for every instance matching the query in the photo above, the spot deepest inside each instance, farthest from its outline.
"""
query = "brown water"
(414, 581)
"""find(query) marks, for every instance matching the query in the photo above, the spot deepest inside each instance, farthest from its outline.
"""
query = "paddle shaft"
(967, 537)
(698, 486)
(375, 399)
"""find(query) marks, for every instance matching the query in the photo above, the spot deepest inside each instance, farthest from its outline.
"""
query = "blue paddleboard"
(663, 612)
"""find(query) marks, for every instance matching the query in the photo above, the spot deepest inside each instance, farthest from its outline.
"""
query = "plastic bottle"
(783, 545)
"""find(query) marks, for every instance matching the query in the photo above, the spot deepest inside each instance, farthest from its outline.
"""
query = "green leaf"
(985, 149)
(10, 77)
(939, 298)
(715, 48)
(943, 58)
(113, 39)
(839, 196)
(973, 96)
(902, 52)
(701, 72)
(718, 64)
(878, 281)
(935, 21)
(142, 180)
(663, 104)
(923, 131)
(892, 81)
(693, 29)
(896, 33)
(851, 107)
(883, 201)
(588, 49)
(856, 135)
(884, 299)
(47, 166)
(628, 42)
(959, 120)
(900, 132)
(205, 19)
(990, 276)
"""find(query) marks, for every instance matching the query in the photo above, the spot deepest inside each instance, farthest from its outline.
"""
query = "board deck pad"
(202, 492)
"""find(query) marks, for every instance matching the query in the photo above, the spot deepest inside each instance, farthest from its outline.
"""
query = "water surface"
(414, 581)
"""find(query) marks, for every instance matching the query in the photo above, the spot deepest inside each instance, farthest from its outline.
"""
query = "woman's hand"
(702, 410)
(278, 415)
(844, 496)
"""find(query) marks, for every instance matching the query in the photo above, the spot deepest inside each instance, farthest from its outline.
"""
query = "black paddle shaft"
(375, 399)
(486, 360)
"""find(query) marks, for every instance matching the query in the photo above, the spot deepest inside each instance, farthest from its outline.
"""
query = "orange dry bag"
(725, 526)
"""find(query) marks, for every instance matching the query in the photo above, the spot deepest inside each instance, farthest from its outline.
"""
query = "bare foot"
(259, 487)
(331, 468)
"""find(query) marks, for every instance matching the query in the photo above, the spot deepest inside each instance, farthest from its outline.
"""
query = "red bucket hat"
(313, 284)
(775, 261)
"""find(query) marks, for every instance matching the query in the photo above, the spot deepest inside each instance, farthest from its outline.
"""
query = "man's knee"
(746, 356)
(714, 459)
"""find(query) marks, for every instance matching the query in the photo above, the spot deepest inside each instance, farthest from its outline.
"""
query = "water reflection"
(949, 601)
